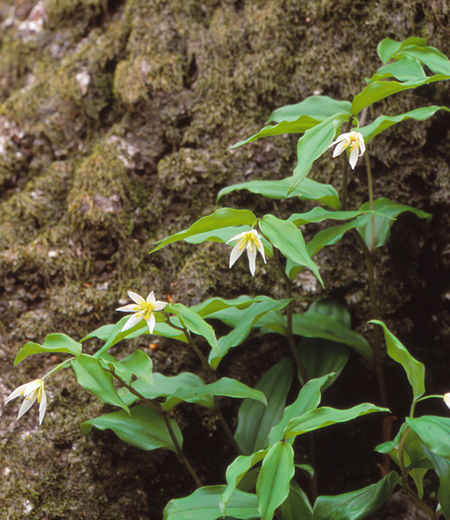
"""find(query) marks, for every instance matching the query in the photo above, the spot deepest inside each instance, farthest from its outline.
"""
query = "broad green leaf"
(236, 471)
(140, 365)
(167, 386)
(321, 417)
(297, 505)
(320, 214)
(109, 362)
(223, 387)
(442, 467)
(297, 126)
(203, 504)
(102, 333)
(307, 190)
(256, 420)
(429, 56)
(194, 323)
(356, 504)
(242, 321)
(285, 236)
(383, 223)
(434, 432)
(222, 218)
(313, 144)
(94, 378)
(316, 325)
(318, 107)
(403, 69)
(143, 428)
(384, 122)
(378, 90)
(53, 343)
(308, 399)
(387, 47)
(272, 487)
(216, 305)
(413, 368)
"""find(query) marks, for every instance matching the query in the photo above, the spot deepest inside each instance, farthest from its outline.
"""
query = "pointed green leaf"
(413, 368)
(384, 122)
(223, 387)
(313, 144)
(194, 323)
(256, 420)
(140, 365)
(318, 107)
(434, 432)
(203, 504)
(429, 56)
(272, 487)
(236, 471)
(356, 504)
(307, 190)
(320, 214)
(321, 417)
(387, 47)
(308, 399)
(403, 69)
(143, 428)
(297, 505)
(222, 218)
(53, 343)
(442, 467)
(94, 378)
(286, 237)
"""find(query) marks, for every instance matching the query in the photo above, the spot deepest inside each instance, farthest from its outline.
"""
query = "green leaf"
(94, 378)
(212, 306)
(429, 56)
(203, 504)
(442, 468)
(434, 432)
(140, 365)
(321, 417)
(356, 504)
(143, 428)
(313, 144)
(387, 47)
(384, 122)
(256, 420)
(285, 236)
(383, 224)
(413, 368)
(297, 505)
(403, 69)
(102, 333)
(320, 214)
(378, 90)
(224, 387)
(222, 218)
(278, 190)
(318, 107)
(242, 321)
(53, 343)
(194, 323)
(272, 487)
(236, 471)
(308, 399)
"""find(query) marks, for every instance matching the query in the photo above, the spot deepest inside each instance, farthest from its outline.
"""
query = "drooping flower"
(31, 392)
(143, 310)
(249, 240)
(447, 399)
(355, 141)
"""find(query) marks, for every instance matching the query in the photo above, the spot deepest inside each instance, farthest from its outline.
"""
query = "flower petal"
(251, 253)
(447, 399)
(235, 254)
(340, 148)
(136, 297)
(42, 405)
(237, 237)
(135, 319)
(159, 306)
(362, 146)
(131, 307)
(353, 158)
(151, 322)
(150, 297)
(26, 405)
(17, 393)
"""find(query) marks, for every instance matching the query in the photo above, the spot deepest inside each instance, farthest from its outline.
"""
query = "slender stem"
(345, 170)
(167, 422)
(58, 367)
(371, 204)
(225, 426)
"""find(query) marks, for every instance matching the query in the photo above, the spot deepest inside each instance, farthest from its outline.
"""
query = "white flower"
(31, 392)
(447, 399)
(357, 147)
(249, 240)
(143, 310)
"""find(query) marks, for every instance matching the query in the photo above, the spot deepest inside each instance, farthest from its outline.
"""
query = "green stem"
(371, 203)
(167, 422)
(58, 367)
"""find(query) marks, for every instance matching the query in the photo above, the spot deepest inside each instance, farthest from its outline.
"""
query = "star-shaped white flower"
(31, 392)
(143, 310)
(249, 240)
(447, 399)
(355, 141)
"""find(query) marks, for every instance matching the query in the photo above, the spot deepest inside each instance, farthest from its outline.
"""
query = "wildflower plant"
(261, 482)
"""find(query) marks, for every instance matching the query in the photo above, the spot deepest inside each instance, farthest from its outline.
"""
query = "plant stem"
(157, 408)
(371, 204)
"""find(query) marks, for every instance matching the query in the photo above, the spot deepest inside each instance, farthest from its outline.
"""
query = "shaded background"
(115, 121)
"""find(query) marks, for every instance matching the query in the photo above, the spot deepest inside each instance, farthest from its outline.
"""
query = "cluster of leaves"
(260, 482)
